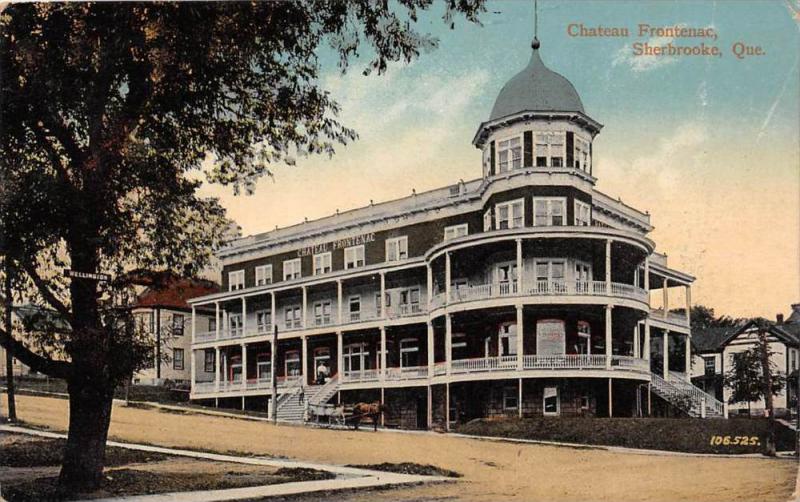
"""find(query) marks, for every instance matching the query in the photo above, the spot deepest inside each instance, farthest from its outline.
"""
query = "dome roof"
(536, 89)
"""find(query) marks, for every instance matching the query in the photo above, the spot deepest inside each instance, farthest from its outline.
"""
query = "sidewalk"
(346, 477)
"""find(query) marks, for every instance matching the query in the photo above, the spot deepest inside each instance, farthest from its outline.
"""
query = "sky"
(709, 146)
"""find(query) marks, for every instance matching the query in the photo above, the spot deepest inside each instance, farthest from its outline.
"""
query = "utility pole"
(274, 374)
(12, 405)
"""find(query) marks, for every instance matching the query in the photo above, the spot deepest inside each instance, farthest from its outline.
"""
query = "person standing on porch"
(322, 373)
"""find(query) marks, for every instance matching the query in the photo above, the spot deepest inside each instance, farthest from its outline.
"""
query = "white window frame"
(581, 208)
(558, 403)
(235, 280)
(235, 324)
(178, 324)
(584, 330)
(549, 213)
(510, 162)
(401, 249)
(175, 359)
(263, 366)
(295, 357)
(323, 263)
(323, 313)
(263, 275)
(406, 348)
(487, 220)
(359, 260)
(263, 320)
(509, 207)
(507, 330)
(295, 320)
(510, 393)
(354, 315)
(296, 267)
(456, 231)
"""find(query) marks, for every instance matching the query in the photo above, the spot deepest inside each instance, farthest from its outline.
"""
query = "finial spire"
(535, 44)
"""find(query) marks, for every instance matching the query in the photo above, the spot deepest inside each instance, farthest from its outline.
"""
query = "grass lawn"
(693, 435)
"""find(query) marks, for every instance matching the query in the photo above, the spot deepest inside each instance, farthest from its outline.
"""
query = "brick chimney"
(779, 318)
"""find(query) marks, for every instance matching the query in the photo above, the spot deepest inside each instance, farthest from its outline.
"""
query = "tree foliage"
(114, 114)
(747, 380)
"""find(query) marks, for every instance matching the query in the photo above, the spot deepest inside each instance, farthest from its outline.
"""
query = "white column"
(520, 285)
(609, 340)
(216, 369)
(244, 366)
(520, 340)
(383, 353)
(384, 314)
(273, 314)
(665, 292)
(244, 316)
(304, 355)
(447, 277)
(688, 305)
(305, 308)
(610, 399)
(688, 349)
(608, 267)
(429, 273)
(519, 399)
(431, 360)
(447, 406)
(193, 367)
(339, 300)
(448, 341)
(194, 316)
(430, 408)
(647, 274)
(666, 354)
(646, 347)
(216, 320)
(636, 340)
(340, 355)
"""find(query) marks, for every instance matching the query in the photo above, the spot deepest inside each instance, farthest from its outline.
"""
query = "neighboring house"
(715, 349)
(18, 368)
(164, 313)
(27, 318)
(525, 291)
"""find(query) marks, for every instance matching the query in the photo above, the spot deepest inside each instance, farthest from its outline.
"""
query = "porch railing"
(407, 373)
(361, 376)
(539, 288)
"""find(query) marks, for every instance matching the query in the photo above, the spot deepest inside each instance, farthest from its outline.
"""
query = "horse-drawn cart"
(340, 414)
(331, 414)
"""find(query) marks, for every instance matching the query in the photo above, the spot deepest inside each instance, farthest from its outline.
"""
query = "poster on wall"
(550, 338)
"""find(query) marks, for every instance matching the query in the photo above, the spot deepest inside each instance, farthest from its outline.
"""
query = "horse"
(371, 410)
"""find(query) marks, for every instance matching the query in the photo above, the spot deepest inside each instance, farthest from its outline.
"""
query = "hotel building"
(523, 292)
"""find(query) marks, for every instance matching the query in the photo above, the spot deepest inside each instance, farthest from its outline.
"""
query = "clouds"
(625, 57)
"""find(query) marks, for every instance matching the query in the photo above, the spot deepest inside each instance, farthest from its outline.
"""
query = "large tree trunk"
(89, 419)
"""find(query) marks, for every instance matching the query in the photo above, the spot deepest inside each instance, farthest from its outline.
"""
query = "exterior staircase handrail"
(326, 391)
(700, 403)
(291, 390)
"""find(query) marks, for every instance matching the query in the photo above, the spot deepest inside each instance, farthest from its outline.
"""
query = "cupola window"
(510, 214)
(549, 211)
(549, 146)
(509, 154)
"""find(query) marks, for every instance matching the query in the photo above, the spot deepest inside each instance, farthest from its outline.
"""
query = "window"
(583, 214)
(550, 146)
(356, 357)
(549, 211)
(212, 324)
(487, 161)
(322, 263)
(291, 269)
(583, 344)
(509, 154)
(510, 398)
(293, 317)
(263, 275)
(709, 366)
(551, 401)
(263, 321)
(177, 324)
(549, 274)
(409, 352)
(510, 214)
(354, 257)
(292, 365)
(487, 220)
(209, 364)
(235, 280)
(397, 248)
(263, 366)
(145, 322)
(177, 359)
(581, 154)
(235, 369)
(507, 341)
(378, 309)
(235, 324)
(355, 307)
(455, 231)
(322, 313)
(409, 301)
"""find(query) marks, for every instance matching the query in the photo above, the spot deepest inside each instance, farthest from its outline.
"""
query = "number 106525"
(735, 440)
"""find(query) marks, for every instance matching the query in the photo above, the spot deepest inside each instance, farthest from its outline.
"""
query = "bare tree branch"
(50, 367)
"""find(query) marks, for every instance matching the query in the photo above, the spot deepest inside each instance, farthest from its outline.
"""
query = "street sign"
(91, 276)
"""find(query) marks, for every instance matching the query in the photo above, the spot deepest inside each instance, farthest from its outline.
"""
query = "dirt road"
(492, 471)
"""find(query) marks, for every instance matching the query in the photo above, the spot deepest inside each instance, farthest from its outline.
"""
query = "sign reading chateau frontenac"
(341, 243)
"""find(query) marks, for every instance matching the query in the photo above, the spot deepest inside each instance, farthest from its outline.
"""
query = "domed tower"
(537, 121)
